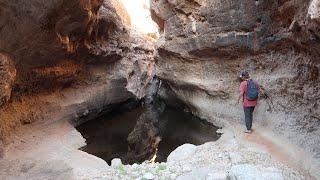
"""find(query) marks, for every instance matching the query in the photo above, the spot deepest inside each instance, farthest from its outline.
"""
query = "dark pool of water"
(106, 136)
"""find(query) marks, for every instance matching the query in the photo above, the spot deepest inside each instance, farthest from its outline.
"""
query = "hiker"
(249, 93)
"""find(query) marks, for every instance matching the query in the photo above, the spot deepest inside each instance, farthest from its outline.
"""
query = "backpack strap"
(246, 89)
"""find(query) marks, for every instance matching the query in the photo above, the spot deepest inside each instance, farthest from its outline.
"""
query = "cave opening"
(144, 133)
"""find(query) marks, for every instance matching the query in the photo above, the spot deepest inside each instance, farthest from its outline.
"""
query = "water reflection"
(139, 134)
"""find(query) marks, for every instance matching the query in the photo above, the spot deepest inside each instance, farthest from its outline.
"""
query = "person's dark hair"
(244, 75)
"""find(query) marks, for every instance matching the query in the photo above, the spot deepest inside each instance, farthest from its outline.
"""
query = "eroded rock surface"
(206, 44)
(73, 59)
(40, 35)
(8, 75)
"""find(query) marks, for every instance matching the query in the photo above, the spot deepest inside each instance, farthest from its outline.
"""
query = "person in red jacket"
(248, 105)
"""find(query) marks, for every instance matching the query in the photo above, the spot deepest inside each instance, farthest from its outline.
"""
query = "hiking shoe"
(248, 131)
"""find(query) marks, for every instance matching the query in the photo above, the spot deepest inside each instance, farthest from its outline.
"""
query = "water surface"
(106, 136)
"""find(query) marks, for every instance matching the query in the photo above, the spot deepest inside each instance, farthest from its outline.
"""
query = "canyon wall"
(206, 44)
(67, 59)
(74, 59)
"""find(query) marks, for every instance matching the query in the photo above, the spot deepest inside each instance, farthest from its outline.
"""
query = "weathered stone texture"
(206, 44)
(8, 75)
(72, 58)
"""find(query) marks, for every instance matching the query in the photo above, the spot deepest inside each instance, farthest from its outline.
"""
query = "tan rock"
(8, 75)
(206, 44)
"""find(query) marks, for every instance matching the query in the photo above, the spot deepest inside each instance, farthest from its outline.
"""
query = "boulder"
(181, 153)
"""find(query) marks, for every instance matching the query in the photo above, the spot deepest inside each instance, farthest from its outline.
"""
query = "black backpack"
(252, 90)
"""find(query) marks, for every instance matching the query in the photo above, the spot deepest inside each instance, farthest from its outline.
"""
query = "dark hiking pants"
(248, 116)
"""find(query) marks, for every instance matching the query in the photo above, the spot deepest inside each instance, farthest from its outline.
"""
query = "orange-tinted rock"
(73, 58)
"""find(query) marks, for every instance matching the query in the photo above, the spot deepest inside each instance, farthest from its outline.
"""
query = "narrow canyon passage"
(136, 89)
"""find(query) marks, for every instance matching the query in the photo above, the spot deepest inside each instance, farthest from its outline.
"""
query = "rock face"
(46, 34)
(206, 44)
(8, 74)
(71, 58)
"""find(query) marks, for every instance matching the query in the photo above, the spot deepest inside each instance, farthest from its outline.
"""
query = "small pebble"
(116, 162)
